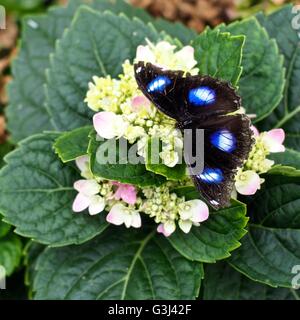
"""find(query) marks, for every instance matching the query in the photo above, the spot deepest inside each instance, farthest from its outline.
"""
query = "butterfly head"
(139, 67)
(156, 82)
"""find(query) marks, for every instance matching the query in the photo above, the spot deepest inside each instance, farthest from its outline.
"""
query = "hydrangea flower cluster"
(123, 111)
(126, 112)
(96, 194)
(166, 207)
(124, 206)
(247, 179)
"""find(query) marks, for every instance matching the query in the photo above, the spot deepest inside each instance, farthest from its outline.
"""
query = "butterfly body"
(203, 102)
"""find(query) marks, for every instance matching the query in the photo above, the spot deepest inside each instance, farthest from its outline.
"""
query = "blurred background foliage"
(196, 14)
(25, 6)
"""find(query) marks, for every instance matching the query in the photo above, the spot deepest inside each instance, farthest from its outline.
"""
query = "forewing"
(163, 88)
(183, 96)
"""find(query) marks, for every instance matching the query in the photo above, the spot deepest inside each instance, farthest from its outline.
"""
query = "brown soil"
(8, 39)
(197, 14)
(194, 13)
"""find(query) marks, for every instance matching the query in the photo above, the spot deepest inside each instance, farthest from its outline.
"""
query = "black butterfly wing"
(202, 102)
(207, 97)
(181, 97)
(163, 88)
(227, 143)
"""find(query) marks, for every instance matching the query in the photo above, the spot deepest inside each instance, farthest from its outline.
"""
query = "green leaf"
(127, 173)
(284, 170)
(32, 251)
(117, 265)
(4, 228)
(219, 54)
(73, 144)
(20, 6)
(10, 253)
(26, 112)
(222, 282)
(5, 148)
(83, 53)
(215, 238)
(261, 62)
(289, 158)
(36, 195)
(189, 192)
(277, 205)
(177, 172)
(271, 247)
(118, 6)
(287, 115)
(175, 30)
(268, 255)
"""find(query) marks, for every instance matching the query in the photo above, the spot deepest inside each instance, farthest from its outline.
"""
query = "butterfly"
(203, 102)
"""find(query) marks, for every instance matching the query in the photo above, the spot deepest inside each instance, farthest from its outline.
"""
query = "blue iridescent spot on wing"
(202, 96)
(224, 140)
(158, 84)
(210, 175)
